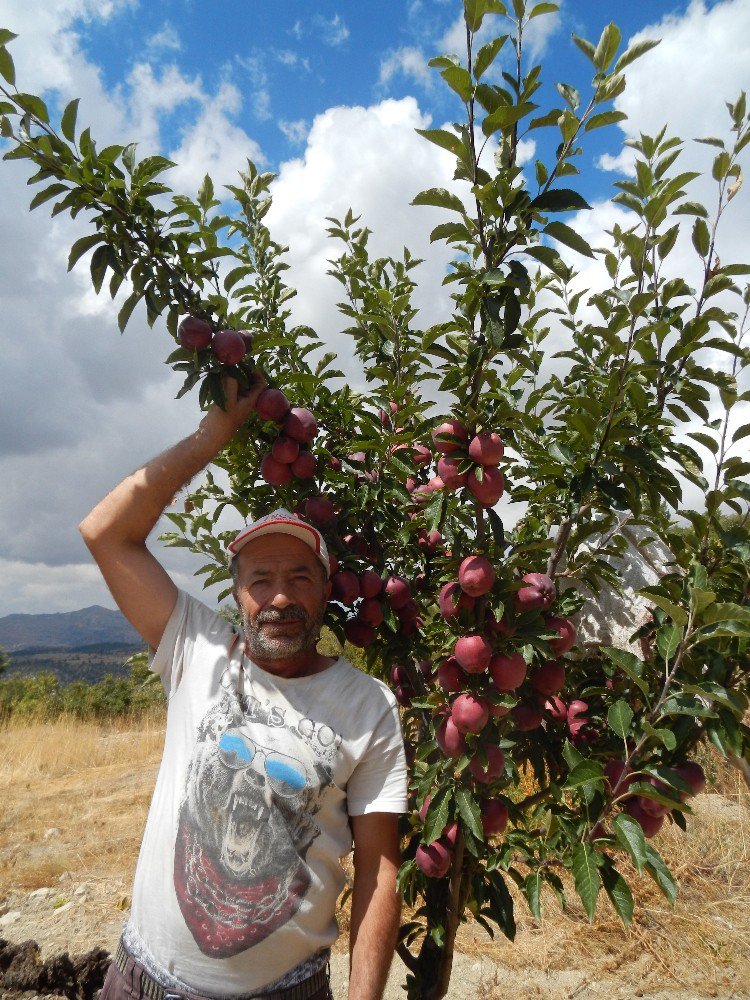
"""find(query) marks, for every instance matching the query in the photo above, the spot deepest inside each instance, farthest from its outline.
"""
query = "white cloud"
(407, 61)
(296, 131)
(333, 31)
(255, 67)
(370, 160)
(167, 38)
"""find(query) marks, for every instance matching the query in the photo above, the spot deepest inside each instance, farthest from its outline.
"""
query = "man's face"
(282, 595)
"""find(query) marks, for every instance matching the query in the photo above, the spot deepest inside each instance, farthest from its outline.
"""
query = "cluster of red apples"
(370, 593)
(481, 678)
(289, 457)
(229, 347)
(463, 462)
(650, 813)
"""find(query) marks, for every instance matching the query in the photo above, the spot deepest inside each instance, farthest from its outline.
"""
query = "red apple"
(345, 587)
(304, 465)
(431, 542)
(469, 713)
(557, 709)
(320, 511)
(398, 591)
(403, 695)
(272, 405)
(450, 436)
(433, 859)
(452, 600)
(486, 448)
(228, 347)
(193, 334)
(486, 774)
(490, 488)
(694, 775)
(494, 814)
(449, 834)
(447, 469)
(538, 592)
(449, 739)
(450, 676)
(566, 633)
(422, 456)
(370, 584)
(248, 338)
(473, 653)
(275, 473)
(359, 633)
(370, 612)
(508, 672)
(617, 773)
(300, 424)
(527, 716)
(476, 575)
(285, 449)
(549, 677)
(650, 824)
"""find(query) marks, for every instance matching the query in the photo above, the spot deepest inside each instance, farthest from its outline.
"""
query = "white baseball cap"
(282, 522)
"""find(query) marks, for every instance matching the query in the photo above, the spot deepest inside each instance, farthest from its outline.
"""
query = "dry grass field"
(74, 800)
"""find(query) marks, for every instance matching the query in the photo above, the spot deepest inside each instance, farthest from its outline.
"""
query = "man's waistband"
(305, 990)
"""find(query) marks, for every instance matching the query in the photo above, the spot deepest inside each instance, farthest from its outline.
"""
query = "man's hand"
(240, 404)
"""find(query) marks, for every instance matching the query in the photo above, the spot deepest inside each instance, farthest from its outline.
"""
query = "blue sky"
(327, 95)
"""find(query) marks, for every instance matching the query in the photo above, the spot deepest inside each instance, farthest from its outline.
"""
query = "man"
(275, 756)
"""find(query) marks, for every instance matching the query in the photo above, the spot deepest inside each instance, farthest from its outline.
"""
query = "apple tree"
(536, 761)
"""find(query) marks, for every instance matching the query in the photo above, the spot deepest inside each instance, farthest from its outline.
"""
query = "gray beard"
(262, 646)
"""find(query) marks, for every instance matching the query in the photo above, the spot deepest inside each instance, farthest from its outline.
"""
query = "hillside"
(92, 626)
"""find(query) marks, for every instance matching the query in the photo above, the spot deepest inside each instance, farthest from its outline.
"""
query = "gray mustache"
(287, 615)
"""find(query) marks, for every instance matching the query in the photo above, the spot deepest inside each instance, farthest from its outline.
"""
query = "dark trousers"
(131, 982)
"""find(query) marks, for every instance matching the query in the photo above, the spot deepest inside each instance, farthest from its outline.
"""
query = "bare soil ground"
(74, 801)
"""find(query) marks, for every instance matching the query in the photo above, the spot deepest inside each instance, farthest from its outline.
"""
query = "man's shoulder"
(200, 620)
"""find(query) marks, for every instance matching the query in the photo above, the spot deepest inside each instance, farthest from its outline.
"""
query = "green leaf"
(605, 118)
(469, 812)
(701, 238)
(99, 262)
(506, 116)
(635, 52)
(668, 639)
(585, 772)
(446, 140)
(451, 232)
(585, 46)
(68, 123)
(629, 664)
(620, 718)
(607, 47)
(629, 833)
(676, 613)
(564, 234)
(532, 890)
(618, 891)
(33, 105)
(487, 55)
(659, 872)
(459, 80)
(436, 819)
(586, 877)
(6, 36)
(7, 68)
(52, 191)
(126, 310)
(476, 10)
(440, 198)
(81, 246)
(559, 200)
(544, 8)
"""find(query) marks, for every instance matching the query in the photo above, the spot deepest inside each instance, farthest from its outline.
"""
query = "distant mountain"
(92, 626)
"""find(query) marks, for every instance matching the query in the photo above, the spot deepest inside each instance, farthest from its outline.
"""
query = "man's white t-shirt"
(239, 870)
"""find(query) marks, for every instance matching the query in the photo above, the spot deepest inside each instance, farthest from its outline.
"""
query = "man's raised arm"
(117, 528)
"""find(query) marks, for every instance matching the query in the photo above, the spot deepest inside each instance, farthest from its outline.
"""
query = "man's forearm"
(131, 510)
(134, 506)
(372, 938)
